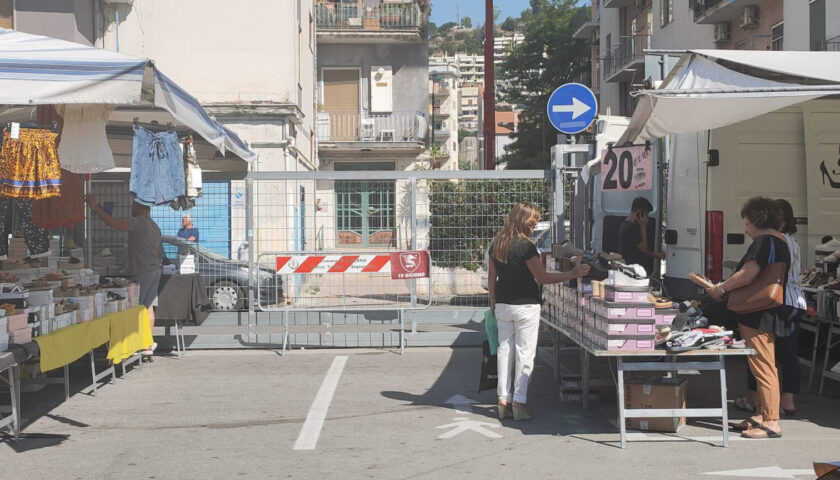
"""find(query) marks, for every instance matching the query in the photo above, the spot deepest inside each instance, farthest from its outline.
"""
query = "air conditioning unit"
(722, 33)
(749, 17)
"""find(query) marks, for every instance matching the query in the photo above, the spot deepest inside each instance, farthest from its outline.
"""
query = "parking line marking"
(311, 429)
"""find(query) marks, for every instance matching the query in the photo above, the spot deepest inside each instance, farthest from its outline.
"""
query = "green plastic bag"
(491, 330)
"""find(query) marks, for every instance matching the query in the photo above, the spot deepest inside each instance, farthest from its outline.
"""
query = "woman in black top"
(513, 272)
(759, 330)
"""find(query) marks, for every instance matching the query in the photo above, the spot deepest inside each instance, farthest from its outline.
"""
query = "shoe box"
(655, 392)
(627, 294)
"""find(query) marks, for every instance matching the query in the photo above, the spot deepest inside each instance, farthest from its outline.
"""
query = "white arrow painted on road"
(577, 108)
(463, 424)
(764, 472)
(461, 403)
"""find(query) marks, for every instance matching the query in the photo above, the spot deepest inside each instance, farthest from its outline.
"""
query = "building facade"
(257, 78)
(444, 97)
(373, 102)
(621, 31)
(471, 79)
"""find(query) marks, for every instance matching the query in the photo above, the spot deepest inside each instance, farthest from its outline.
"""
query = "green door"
(365, 208)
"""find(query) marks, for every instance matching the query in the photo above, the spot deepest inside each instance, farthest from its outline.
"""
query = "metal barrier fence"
(241, 223)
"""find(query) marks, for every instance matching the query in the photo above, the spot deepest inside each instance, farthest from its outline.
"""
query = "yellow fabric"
(67, 345)
(29, 166)
(130, 332)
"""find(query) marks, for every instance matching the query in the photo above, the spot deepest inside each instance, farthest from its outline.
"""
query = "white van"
(792, 153)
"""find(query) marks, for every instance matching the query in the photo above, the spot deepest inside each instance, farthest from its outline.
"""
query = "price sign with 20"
(627, 169)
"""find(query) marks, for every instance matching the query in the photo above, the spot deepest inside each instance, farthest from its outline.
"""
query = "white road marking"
(311, 429)
(764, 472)
(462, 424)
(461, 403)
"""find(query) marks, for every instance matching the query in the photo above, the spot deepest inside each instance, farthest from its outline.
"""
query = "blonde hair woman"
(514, 272)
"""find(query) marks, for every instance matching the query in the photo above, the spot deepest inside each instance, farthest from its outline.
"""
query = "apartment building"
(471, 79)
(620, 31)
(373, 102)
(443, 110)
(503, 44)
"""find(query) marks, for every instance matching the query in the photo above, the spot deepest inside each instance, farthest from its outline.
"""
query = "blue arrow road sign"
(571, 108)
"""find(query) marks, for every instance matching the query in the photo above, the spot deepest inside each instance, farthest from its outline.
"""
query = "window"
(777, 33)
(666, 12)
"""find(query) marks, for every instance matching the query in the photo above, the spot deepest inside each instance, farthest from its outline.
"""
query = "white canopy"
(700, 94)
(38, 70)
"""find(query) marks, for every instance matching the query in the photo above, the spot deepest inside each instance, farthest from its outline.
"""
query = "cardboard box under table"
(658, 393)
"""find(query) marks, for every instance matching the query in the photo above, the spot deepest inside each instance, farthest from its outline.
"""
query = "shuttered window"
(341, 90)
(6, 13)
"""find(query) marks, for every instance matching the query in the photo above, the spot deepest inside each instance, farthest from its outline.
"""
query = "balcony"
(621, 63)
(717, 11)
(624, 3)
(830, 45)
(440, 92)
(369, 22)
(439, 112)
(364, 131)
(581, 26)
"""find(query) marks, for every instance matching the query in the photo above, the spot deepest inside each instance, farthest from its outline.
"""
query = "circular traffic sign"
(571, 108)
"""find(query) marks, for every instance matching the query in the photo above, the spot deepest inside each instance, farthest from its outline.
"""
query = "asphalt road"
(373, 414)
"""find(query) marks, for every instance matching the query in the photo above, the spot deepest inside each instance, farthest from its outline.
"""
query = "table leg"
(14, 387)
(584, 372)
(621, 422)
(814, 358)
(66, 383)
(93, 372)
(724, 411)
(825, 359)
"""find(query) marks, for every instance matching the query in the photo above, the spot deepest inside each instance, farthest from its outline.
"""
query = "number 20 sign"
(627, 169)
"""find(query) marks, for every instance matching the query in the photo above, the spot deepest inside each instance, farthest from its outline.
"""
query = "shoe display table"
(574, 313)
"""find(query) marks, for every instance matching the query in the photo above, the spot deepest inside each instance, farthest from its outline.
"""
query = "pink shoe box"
(648, 329)
(23, 335)
(630, 345)
(584, 286)
(626, 294)
(613, 310)
(664, 316)
(16, 322)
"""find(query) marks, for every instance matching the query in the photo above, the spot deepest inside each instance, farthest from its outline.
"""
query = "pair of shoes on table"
(149, 351)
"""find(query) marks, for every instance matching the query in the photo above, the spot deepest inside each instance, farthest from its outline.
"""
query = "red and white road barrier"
(401, 265)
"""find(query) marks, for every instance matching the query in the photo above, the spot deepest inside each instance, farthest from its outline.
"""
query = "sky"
(445, 10)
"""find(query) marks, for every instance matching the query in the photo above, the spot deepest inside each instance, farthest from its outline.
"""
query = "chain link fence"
(454, 215)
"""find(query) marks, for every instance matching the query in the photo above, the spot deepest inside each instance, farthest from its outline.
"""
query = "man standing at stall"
(144, 253)
(633, 236)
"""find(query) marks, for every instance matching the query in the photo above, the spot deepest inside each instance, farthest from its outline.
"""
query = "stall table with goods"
(618, 317)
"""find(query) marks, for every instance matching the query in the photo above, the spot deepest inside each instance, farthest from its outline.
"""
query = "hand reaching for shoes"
(580, 269)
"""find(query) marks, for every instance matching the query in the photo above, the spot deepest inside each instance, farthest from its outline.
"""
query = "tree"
(446, 27)
(548, 57)
(509, 25)
(432, 29)
(466, 22)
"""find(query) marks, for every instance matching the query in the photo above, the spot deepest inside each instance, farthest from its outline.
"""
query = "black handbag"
(489, 369)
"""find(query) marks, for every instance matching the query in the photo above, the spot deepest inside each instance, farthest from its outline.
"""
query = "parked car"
(226, 280)
(541, 237)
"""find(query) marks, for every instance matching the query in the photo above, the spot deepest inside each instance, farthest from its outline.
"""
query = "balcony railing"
(829, 45)
(580, 17)
(630, 50)
(371, 127)
(368, 16)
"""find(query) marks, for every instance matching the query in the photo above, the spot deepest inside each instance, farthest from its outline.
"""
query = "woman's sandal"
(745, 425)
(743, 403)
(766, 432)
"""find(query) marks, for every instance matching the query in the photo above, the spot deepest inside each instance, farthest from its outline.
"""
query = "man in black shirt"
(632, 236)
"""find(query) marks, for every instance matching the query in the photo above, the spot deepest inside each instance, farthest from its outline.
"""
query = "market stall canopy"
(38, 70)
(702, 94)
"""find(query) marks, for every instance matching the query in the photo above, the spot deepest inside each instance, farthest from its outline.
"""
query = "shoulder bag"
(765, 292)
